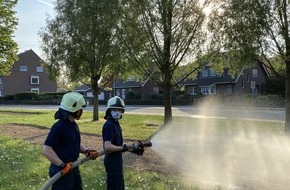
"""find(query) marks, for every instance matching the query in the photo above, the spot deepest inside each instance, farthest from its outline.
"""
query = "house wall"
(225, 89)
(121, 92)
(243, 84)
(148, 90)
(19, 82)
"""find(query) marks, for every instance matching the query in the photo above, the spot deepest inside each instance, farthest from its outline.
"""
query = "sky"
(31, 16)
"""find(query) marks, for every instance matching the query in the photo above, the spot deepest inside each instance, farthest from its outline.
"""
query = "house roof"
(224, 78)
(127, 84)
(208, 81)
(82, 88)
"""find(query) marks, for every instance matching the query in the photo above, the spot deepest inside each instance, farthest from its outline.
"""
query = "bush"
(157, 96)
(8, 97)
(26, 96)
(130, 95)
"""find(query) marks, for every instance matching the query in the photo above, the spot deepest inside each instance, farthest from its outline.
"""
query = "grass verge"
(23, 167)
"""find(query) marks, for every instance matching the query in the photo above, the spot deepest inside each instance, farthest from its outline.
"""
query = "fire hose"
(58, 175)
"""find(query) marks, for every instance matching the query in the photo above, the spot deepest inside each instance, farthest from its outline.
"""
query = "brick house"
(26, 75)
(249, 81)
(143, 89)
(87, 92)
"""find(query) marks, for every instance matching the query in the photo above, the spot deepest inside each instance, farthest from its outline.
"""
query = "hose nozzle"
(147, 144)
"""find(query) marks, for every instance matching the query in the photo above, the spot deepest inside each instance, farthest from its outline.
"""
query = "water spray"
(134, 146)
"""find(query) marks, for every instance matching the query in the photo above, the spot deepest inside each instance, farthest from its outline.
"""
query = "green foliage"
(130, 95)
(84, 42)
(26, 96)
(35, 96)
(160, 36)
(81, 41)
(275, 85)
(8, 47)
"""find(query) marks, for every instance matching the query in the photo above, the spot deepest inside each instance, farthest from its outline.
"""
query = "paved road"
(272, 114)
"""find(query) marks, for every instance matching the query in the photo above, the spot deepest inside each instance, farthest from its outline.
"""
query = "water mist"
(212, 157)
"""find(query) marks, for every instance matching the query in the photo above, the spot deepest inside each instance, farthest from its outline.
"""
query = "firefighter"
(113, 144)
(63, 143)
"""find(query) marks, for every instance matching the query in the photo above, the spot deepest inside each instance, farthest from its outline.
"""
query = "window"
(123, 93)
(35, 90)
(255, 72)
(39, 69)
(208, 89)
(229, 89)
(34, 80)
(155, 90)
(192, 90)
(205, 73)
(1, 93)
(23, 68)
(1, 80)
(248, 77)
(212, 73)
(131, 79)
(243, 83)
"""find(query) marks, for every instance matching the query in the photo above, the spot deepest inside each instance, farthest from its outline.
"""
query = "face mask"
(116, 115)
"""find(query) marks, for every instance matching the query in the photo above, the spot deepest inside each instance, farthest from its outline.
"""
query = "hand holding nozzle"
(137, 147)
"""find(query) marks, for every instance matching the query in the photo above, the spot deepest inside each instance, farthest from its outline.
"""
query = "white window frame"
(34, 77)
(34, 90)
(1, 80)
(192, 90)
(23, 68)
(208, 89)
(1, 93)
(243, 83)
(123, 94)
(255, 72)
(39, 69)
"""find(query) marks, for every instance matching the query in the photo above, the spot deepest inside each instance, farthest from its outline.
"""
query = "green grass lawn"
(133, 126)
(23, 167)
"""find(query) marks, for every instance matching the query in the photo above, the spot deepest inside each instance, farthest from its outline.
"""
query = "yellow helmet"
(116, 102)
(72, 102)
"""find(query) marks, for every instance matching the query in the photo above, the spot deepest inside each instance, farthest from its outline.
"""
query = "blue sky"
(31, 16)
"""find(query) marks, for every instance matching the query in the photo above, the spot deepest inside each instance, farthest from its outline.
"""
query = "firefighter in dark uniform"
(113, 144)
(63, 143)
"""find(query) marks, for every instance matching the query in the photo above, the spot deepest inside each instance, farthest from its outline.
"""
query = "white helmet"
(116, 102)
(72, 102)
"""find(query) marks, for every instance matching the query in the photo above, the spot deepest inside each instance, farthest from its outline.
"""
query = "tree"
(160, 36)
(8, 47)
(255, 29)
(81, 42)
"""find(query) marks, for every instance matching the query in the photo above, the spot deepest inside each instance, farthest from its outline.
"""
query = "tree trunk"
(287, 98)
(167, 105)
(95, 88)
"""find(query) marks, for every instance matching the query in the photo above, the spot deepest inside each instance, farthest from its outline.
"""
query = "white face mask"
(116, 115)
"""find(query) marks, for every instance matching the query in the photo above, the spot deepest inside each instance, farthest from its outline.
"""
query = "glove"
(93, 154)
(139, 151)
(125, 148)
(138, 148)
(138, 145)
(66, 169)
